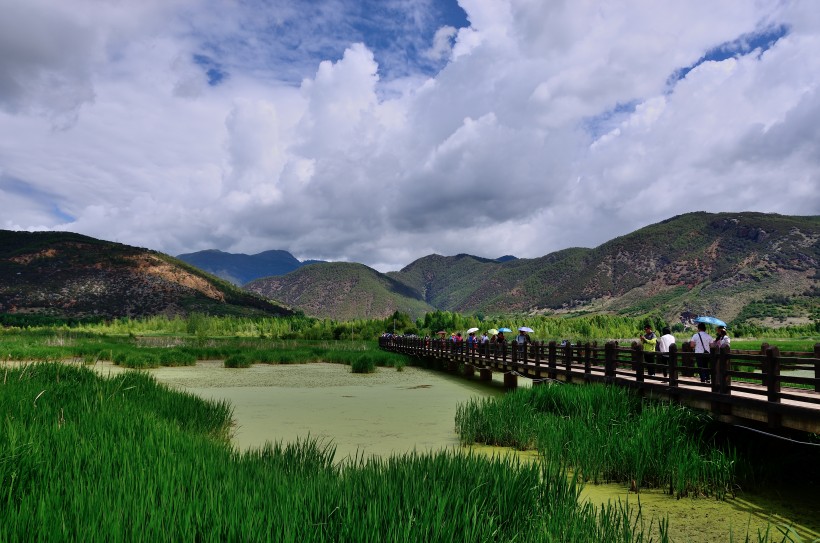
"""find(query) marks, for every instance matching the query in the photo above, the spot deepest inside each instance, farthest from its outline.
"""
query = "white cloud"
(551, 124)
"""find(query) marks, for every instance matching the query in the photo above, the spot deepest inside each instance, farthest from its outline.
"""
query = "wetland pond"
(391, 412)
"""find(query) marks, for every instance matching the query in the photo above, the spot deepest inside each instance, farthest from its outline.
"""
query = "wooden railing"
(779, 389)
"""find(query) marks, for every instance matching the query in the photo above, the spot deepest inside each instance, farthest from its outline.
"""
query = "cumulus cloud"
(381, 133)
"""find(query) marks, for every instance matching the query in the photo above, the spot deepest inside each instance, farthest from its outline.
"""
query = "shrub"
(238, 361)
(363, 364)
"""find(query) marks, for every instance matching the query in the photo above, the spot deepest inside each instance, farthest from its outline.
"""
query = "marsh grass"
(238, 361)
(606, 434)
(363, 364)
(140, 352)
(124, 458)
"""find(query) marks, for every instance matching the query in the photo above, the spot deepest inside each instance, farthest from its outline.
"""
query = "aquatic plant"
(606, 434)
(124, 458)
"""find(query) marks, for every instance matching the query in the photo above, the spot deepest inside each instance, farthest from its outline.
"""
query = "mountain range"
(743, 267)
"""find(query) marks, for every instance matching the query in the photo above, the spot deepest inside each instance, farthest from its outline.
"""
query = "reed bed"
(124, 458)
(606, 434)
(140, 352)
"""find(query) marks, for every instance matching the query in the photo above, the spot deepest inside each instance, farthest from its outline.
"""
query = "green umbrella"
(492, 332)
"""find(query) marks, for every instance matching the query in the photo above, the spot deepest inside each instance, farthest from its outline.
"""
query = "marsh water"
(391, 412)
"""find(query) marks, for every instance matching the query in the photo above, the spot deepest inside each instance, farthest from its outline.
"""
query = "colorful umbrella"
(711, 320)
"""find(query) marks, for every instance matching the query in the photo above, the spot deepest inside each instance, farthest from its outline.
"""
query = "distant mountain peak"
(240, 268)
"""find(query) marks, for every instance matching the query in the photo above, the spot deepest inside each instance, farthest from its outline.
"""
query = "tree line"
(589, 327)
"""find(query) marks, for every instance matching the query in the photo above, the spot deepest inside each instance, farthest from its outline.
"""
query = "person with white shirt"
(664, 342)
(701, 342)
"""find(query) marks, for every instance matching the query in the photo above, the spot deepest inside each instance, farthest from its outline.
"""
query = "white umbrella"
(525, 329)
(471, 330)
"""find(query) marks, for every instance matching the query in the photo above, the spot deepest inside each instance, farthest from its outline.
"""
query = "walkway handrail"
(783, 383)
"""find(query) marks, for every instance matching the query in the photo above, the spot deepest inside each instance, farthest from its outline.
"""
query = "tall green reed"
(606, 434)
(124, 458)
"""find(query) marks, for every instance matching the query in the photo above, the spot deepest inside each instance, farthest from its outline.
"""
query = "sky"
(382, 131)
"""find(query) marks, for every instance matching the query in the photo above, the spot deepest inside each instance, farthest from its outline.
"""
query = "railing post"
(773, 385)
(637, 361)
(587, 361)
(609, 361)
(725, 365)
(687, 359)
(568, 362)
(538, 345)
(817, 367)
(714, 369)
(551, 360)
(673, 365)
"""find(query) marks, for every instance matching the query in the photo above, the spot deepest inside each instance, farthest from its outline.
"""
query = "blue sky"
(289, 39)
(383, 131)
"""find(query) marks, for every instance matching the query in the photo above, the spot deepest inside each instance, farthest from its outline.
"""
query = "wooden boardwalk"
(767, 389)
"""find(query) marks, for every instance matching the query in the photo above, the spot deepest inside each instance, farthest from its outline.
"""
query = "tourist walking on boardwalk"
(700, 342)
(521, 340)
(664, 342)
(648, 341)
(471, 342)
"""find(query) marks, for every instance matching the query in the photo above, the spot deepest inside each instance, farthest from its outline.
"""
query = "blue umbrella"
(504, 330)
(711, 320)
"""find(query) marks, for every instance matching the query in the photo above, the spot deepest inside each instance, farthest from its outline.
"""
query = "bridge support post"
(485, 374)
(510, 380)
(469, 370)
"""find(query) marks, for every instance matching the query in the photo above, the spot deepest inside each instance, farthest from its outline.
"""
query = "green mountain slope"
(342, 291)
(699, 262)
(752, 267)
(69, 275)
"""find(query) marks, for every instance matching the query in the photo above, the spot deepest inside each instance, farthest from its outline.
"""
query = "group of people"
(701, 342)
(484, 342)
